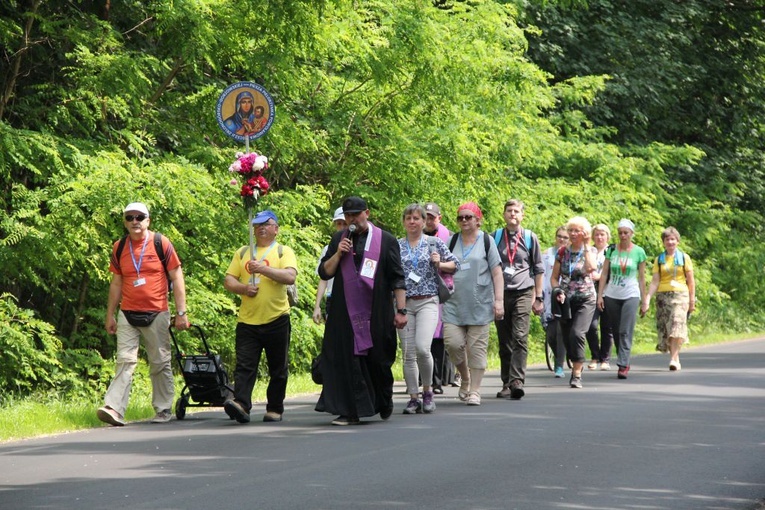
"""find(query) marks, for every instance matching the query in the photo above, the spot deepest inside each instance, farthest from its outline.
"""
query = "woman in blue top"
(621, 296)
(421, 257)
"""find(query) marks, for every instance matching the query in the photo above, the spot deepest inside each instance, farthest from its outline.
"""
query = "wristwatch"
(181, 313)
(402, 311)
(540, 299)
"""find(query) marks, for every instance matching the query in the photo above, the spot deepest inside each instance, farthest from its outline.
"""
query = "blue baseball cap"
(264, 216)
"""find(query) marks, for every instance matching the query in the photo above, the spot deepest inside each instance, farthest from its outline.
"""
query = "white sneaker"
(674, 365)
(474, 398)
(605, 366)
(163, 416)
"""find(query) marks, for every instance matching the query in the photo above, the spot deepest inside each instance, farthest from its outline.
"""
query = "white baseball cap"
(339, 215)
(137, 206)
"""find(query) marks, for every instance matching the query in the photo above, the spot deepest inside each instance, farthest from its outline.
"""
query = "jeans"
(416, 337)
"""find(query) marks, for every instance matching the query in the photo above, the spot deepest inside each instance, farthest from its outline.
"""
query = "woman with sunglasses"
(550, 322)
(421, 258)
(477, 301)
(620, 293)
(574, 290)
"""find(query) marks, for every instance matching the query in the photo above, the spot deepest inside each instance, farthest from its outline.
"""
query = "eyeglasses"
(562, 238)
(465, 218)
(137, 217)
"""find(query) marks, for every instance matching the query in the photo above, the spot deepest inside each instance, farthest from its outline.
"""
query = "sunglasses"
(465, 218)
(137, 217)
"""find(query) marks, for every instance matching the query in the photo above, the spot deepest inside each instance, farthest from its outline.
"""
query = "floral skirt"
(671, 318)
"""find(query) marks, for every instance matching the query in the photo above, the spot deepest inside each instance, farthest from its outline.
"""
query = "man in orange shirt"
(139, 285)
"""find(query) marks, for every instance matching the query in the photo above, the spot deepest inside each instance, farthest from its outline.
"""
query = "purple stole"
(358, 286)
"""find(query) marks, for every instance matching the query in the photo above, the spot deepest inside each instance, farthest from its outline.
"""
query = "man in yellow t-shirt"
(264, 317)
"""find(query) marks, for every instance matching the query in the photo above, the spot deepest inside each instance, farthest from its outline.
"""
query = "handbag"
(140, 319)
(444, 291)
(292, 294)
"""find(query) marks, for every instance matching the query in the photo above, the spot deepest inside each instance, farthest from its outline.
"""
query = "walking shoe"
(438, 390)
(605, 366)
(272, 416)
(235, 411)
(108, 415)
(622, 373)
(674, 365)
(559, 372)
(463, 392)
(346, 420)
(474, 399)
(504, 392)
(593, 365)
(428, 405)
(457, 380)
(385, 413)
(413, 407)
(516, 390)
(162, 416)
(575, 381)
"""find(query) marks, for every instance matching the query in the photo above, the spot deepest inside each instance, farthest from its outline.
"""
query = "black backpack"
(157, 248)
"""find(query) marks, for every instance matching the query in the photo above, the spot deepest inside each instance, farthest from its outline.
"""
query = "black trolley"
(206, 379)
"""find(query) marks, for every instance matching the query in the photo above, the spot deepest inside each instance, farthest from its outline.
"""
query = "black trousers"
(251, 341)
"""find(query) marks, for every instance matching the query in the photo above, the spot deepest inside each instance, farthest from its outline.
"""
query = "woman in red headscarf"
(477, 301)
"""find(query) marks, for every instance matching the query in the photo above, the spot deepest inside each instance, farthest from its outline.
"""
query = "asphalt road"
(693, 439)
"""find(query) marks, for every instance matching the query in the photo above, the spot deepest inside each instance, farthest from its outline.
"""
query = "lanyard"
(623, 261)
(414, 255)
(462, 247)
(511, 256)
(137, 265)
(266, 253)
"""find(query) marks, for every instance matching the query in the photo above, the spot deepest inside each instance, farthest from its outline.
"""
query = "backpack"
(157, 248)
(292, 292)
(526, 237)
(453, 243)
(679, 259)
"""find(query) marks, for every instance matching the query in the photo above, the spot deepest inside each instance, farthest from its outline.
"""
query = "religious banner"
(245, 111)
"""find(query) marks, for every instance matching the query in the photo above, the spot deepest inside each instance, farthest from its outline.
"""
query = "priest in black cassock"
(368, 304)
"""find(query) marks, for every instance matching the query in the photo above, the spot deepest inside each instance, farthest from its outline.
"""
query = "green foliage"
(395, 100)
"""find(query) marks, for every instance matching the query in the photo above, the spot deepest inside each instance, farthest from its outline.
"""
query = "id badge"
(139, 282)
(510, 271)
(464, 266)
(414, 277)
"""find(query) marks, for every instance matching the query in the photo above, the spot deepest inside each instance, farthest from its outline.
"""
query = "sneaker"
(457, 380)
(413, 407)
(605, 366)
(575, 382)
(272, 416)
(235, 411)
(474, 398)
(346, 420)
(516, 390)
(428, 405)
(622, 373)
(108, 415)
(162, 416)
(463, 393)
(559, 372)
(593, 365)
(504, 392)
(674, 365)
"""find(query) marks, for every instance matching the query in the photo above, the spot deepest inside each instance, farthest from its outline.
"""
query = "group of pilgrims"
(447, 288)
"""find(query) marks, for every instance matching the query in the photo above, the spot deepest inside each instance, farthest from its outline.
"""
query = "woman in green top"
(675, 290)
(620, 293)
